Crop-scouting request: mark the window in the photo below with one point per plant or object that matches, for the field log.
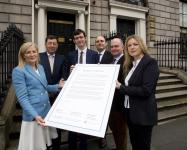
(183, 14)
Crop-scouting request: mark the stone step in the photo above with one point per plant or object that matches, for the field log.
(170, 103)
(169, 88)
(168, 81)
(166, 76)
(174, 94)
(167, 114)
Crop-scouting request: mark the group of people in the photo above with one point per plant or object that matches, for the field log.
(39, 77)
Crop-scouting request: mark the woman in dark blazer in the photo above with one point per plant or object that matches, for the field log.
(31, 88)
(141, 75)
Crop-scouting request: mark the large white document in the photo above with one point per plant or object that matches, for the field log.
(84, 103)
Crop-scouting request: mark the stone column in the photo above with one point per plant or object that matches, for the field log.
(113, 23)
(42, 31)
(81, 20)
(143, 29)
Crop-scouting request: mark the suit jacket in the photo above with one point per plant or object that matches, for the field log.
(31, 90)
(107, 58)
(92, 57)
(141, 92)
(59, 69)
(118, 99)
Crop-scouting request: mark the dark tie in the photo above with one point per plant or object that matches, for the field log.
(81, 58)
(114, 60)
(100, 55)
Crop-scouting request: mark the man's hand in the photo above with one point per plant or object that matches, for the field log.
(72, 67)
(118, 84)
(61, 83)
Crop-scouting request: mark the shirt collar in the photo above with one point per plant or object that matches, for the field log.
(117, 58)
(50, 54)
(84, 50)
(136, 62)
(102, 52)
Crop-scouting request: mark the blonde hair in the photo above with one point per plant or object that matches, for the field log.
(24, 47)
(129, 59)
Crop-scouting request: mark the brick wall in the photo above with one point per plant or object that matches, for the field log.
(162, 20)
(99, 19)
(18, 12)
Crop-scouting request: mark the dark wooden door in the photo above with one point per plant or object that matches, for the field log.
(63, 26)
(125, 27)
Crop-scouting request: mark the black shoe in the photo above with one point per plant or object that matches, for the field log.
(55, 144)
(102, 143)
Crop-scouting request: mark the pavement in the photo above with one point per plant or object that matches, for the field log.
(170, 135)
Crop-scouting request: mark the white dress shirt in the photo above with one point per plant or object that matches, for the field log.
(51, 58)
(84, 55)
(135, 64)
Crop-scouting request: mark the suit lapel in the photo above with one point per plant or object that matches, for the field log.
(137, 69)
(40, 77)
(47, 65)
(56, 64)
(75, 58)
(88, 57)
(104, 57)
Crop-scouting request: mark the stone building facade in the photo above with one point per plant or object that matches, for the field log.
(18, 12)
(151, 19)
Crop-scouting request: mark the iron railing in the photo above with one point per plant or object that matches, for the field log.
(172, 53)
(10, 42)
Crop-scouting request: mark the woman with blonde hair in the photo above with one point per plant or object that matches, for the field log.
(31, 90)
(141, 75)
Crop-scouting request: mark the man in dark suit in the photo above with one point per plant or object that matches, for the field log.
(105, 57)
(117, 121)
(55, 67)
(82, 55)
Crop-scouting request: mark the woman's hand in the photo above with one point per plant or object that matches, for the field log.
(40, 121)
(118, 84)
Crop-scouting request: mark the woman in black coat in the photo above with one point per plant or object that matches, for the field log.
(141, 75)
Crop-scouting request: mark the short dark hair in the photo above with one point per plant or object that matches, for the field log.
(79, 31)
(51, 37)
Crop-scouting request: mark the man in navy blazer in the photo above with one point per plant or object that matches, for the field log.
(117, 122)
(105, 57)
(82, 55)
(55, 66)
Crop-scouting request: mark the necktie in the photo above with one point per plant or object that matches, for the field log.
(100, 55)
(114, 61)
(81, 58)
(51, 62)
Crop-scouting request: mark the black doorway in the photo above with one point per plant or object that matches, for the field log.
(63, 26)
(125, 27)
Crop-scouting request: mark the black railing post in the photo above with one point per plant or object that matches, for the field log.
(10, 42)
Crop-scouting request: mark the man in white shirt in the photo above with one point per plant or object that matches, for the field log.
(82, 55)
